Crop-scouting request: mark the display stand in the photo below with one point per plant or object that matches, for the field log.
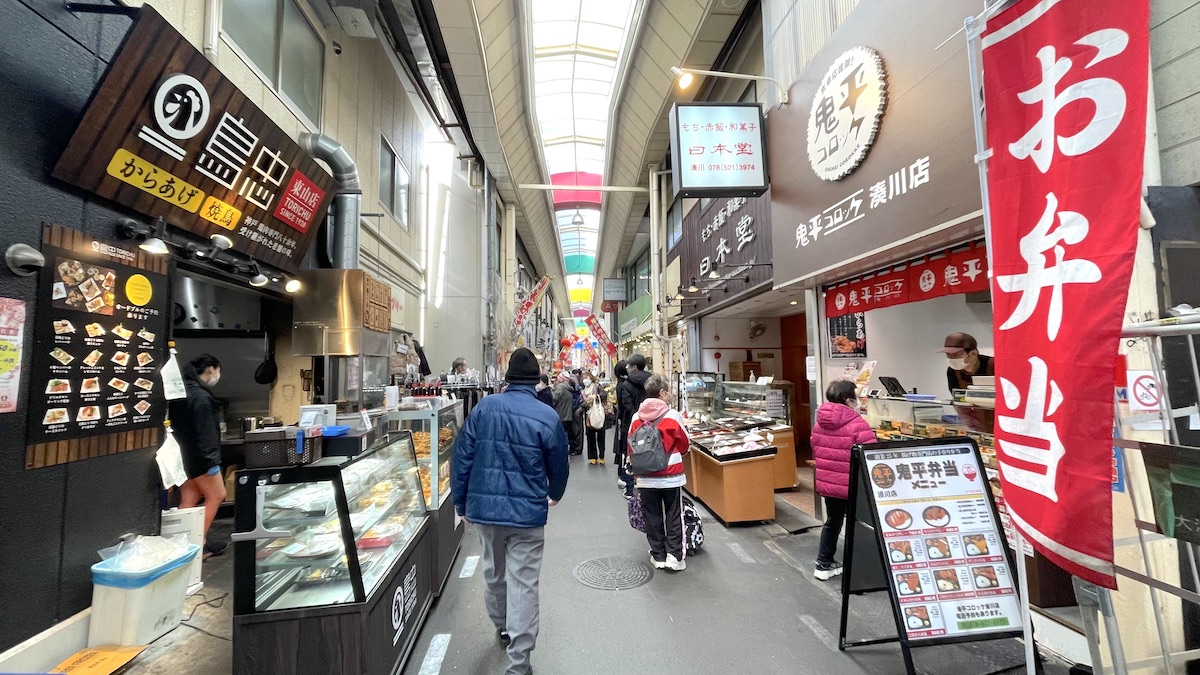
(736, 490)
(936, 550)
(448, 529)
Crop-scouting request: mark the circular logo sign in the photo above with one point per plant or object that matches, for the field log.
(883, 476)
(840, 301)
(181, 106)
(927, 281)
(138, 290)
(845, 113)
(398, 608)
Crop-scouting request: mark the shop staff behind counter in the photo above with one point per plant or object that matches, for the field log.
(965, 361)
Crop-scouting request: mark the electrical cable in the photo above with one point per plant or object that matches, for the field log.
(215, 603)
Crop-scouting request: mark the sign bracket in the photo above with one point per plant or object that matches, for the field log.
(88, 8)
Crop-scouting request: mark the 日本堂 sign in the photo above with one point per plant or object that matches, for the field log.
(168, 135)
(718, 150)
(1065, 88)
(726, 248)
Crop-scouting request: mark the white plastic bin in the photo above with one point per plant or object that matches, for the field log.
(189, 522)
(136, 608)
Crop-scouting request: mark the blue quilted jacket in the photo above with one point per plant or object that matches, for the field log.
(510, 456)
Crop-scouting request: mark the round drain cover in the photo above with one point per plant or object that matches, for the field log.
(613, 574)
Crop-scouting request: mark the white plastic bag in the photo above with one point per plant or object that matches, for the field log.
(170, 462)
(172, 380)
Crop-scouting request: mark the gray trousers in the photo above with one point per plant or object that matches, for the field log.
(512, 565)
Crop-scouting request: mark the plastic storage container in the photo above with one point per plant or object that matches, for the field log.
(136, 608)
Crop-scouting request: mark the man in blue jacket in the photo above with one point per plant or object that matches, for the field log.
(510, 467)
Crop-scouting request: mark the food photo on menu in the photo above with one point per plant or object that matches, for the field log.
(63, 327)
(985, 577)
(95, 330)
(936, 516)
(917, 617)
(93, 358)
(90, 385)
(947, 581)
(58, 387)
(122, 332)
(88, 413)
(909, 583)
(142, 407)
(56, 416)
(898, 519)
(937, 548)
(900, 551)
(975, 544)
(62, 356)
(84, 287)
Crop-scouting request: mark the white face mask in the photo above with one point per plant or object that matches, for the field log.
(957, 364)
(540, 386)
(587, 382)
(214, 379)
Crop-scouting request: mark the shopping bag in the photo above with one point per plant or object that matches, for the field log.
(636, 519)
(172, 379)
(170, 462)
(595, 416)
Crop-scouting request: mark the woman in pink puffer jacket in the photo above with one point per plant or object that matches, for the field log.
(839, 428)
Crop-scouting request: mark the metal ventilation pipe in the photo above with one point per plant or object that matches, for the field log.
(347, 203)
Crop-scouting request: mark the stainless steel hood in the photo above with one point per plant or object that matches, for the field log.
(341, 313)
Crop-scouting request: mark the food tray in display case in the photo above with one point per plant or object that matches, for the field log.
(755, 403)
(434, 430)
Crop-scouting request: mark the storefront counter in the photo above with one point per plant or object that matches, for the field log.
(737, 490)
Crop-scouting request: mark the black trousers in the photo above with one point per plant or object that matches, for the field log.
(835, 517)
(572, 438)
(663, 510)
(595, 443)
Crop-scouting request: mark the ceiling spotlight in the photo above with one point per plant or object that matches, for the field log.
(792, 302)
(221, 242)
(259, 279)
(293, 286)
(154, 245)
(714, 275)
(679, 296)
(693, 288)
(685, 79)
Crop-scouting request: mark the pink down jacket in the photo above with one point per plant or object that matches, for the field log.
(838, 429)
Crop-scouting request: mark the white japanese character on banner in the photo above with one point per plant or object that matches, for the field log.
(951, 276)
(972, 268)
(1106, 95)
(268, 169)
(840, 301)
(723, 250)
(705, 266)
(227, 151)
(866, 295)
(1072, 229)
(745, 231)
(854, 298)
(879, 194)
(1034, 426)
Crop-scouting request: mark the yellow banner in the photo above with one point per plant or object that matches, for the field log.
(220, 213)
(129, 168)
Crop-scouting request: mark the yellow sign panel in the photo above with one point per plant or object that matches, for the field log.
(100, 660)
(220, 213)
(129, 168)
(10, 356)
(138, 290)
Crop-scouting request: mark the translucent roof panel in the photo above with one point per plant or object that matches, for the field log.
(577, 46)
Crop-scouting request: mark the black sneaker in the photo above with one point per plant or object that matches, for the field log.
(504, 638)
(214, 548)
(827, 570)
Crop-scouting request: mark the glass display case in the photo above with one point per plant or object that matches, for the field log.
(746, 404)
(327, 533)
(697, 394)
(357, 382)
(906, 415)
(434, 430)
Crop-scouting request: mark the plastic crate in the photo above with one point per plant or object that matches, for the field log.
(289, 446)
(136, 608)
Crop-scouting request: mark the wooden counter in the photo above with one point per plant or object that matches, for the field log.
(785, 459)
(737, 491)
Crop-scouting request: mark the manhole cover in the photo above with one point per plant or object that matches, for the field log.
(612, 574)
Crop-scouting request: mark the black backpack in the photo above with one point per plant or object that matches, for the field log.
(647, 454)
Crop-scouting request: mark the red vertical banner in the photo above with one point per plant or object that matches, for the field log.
(564, 354)
(601, 335)
(1065, 85)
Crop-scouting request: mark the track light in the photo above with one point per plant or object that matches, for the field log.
(259, 279)
(154, 244)
(293, 286)
(714, 275)
(694, 287)
(221, 242)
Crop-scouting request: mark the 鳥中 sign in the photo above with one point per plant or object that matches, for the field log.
(169, 136)
(718, 150)
(601, 335)
(1065, 92)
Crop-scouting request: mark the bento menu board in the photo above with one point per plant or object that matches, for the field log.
(100, 336)
(947, 565)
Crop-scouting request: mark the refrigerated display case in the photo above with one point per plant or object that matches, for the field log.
(698, 393)
(766, 409)
(434, 430)
(339, 539)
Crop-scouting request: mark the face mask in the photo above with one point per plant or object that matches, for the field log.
(212, 381)
(587, 382)
(540, 386)
(852, 403)
(957, 364)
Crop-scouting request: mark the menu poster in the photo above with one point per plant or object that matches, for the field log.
(100, 336)
(948, 568)
(12, 332)
(848, 336)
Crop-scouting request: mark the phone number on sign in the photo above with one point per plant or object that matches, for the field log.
(730, 167)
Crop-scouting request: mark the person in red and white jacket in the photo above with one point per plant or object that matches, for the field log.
(661, 493)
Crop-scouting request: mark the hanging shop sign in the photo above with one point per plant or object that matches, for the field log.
(593, 357)
(918, 173)
(718, 150)
(12, 336)
(169, 136)
(530, 303)
(100, 332)
(848, 336)
(947, 273)
(564, 354)
(377, 304)
(845, 113)
(614, 290)
(933, 531)
(601, 335)
(732, 239)
(1065, 93)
